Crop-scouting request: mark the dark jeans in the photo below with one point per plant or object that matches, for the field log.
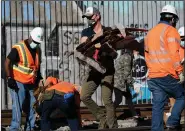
(128, 96)
(161, 88)
(67, 107)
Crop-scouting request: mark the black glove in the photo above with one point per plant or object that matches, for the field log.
(12, 83)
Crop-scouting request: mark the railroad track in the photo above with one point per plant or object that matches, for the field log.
(145, 110)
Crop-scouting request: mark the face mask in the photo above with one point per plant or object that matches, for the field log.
(182, 44)
(33, 45)
(91, 23)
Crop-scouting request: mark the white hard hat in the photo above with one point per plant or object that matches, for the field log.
(169, 9)
(37, 34)
(181, 31)
(90, 11)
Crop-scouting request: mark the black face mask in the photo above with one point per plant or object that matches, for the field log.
(91, 23)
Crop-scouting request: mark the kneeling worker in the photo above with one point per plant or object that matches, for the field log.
(62, 95)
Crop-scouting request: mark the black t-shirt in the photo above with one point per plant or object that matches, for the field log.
(88, 32)
(14, 57)
(105, 60)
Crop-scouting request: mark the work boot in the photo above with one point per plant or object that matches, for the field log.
(173, 128)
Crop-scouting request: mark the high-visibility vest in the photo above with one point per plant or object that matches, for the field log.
(25, 70)
(61, 86)
(162, 45)
(65, 87)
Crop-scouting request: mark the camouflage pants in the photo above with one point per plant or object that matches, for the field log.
(88, 89)
(123, 69)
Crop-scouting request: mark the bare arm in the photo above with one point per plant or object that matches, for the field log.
(8, 68)
(83, 39)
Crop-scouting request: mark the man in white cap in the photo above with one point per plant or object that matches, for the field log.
(95, 78)
(22, 67)
(94, 22)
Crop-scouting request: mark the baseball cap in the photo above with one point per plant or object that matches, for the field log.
(90, 11)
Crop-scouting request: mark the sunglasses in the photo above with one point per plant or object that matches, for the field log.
(89, 17)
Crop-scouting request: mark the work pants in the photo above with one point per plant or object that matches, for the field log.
(161, 88)
(88, 88)
(67, 106)
(24, 91)
(128, 96)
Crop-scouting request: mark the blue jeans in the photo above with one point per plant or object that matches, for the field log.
(161, 89)
(66, 105)
(24, 92)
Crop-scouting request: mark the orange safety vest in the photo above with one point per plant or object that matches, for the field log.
(65, 87)
(162, 45)
(26, 69)
(62, 86)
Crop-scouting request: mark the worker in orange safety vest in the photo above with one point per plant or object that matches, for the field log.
(62, 95)
(162, 46)
(22, 67)
(181, 52)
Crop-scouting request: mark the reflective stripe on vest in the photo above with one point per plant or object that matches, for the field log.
(173, 40)
(162, 37)
(23, 53)
(163, 52)
(23, 68)
(160, 60)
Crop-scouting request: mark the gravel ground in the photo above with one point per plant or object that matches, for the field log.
(127, 123)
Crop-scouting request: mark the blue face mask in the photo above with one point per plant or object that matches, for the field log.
(182, 44)
(33, 45)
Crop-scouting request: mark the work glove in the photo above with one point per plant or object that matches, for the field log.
(137, 87)
(181, 77)
(12, 83)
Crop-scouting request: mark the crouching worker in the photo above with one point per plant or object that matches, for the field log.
(62, 95)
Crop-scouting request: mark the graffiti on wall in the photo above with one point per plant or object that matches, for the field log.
(68, 65)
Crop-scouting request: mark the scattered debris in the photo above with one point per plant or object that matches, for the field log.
(127, 123)
(65, 128)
